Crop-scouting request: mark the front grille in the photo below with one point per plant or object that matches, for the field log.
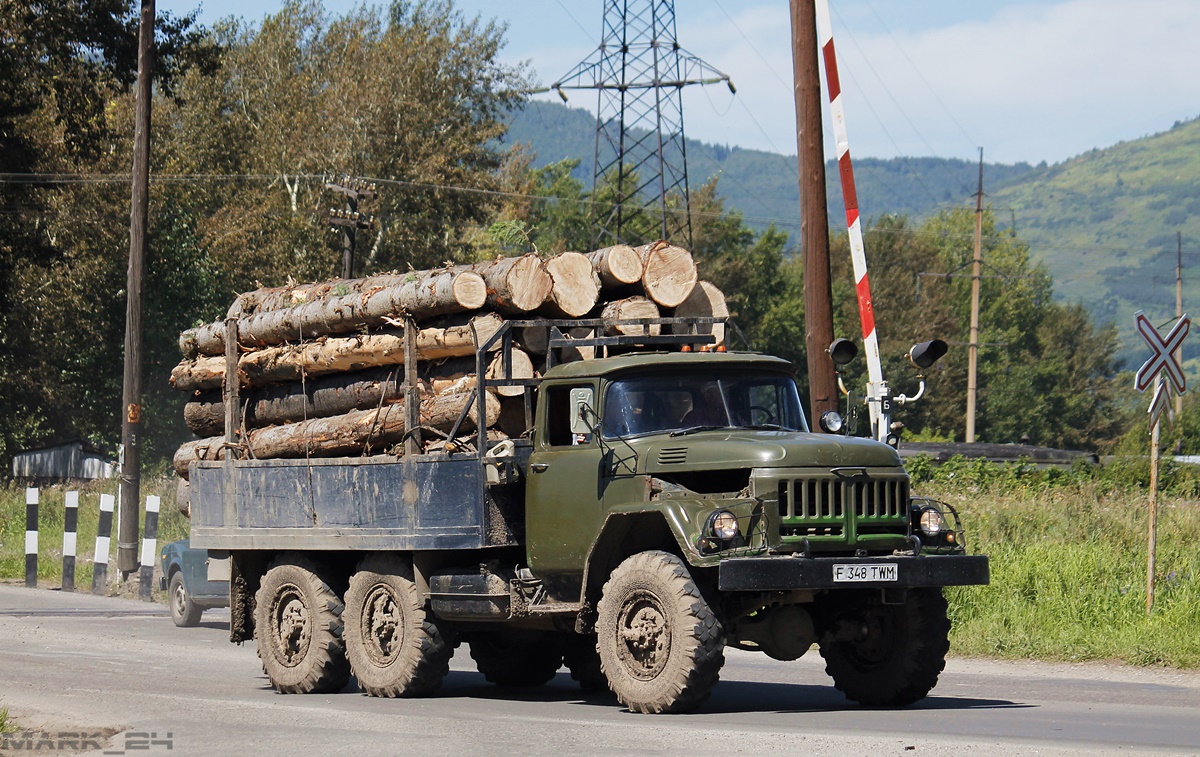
(833, 506)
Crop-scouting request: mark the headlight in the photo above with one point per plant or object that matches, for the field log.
(931, 521)
(723, 525)
(831, 421)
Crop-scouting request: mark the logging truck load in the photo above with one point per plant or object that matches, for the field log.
(617, 491)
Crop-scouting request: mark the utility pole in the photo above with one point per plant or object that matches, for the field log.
(349, 219)
(1179, 311)
(131, 388)
(814, 209)
(973, 341)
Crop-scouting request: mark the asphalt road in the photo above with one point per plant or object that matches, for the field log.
(73, 663)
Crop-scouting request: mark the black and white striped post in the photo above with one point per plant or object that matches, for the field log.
(149, 547)
(103, 535)
(70, 525)
(31, 537)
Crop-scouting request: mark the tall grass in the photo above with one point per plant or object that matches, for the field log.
(1068, 559)
(172, 525)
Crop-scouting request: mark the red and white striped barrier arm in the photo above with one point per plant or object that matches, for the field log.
(866, 310)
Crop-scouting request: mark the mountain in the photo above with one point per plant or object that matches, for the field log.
(1106, 222)
(762, 185)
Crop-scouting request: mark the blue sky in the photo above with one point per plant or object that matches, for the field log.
(1027, 81)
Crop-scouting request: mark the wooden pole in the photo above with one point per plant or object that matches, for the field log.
(1153, 527)
(131, 426)
(814, 209)
(973, 341)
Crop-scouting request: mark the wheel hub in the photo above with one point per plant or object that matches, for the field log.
(292, 628)
(646, 636)
(383, 625)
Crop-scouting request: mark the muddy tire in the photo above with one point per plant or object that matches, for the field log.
(298, 628)
(516, 661)
(394, 646)
(887, 655)
(184, 611)
(661, 645)
(583, 660)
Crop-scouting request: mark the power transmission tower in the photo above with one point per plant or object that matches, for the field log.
(638, 72)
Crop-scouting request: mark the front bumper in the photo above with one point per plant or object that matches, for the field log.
(795, 572)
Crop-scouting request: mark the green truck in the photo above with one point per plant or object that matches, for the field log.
(668, 501)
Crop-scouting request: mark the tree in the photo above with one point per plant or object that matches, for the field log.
(63, 66)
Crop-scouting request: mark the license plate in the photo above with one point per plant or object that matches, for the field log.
(884, 572)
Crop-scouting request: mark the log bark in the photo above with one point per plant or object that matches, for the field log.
(515, 285)
(576, 286)
(669, 275)
(286, 403)
(631, 307)
(458, 374)
(345, 306)
(352, 433)
(333, 355)
(617, 266)
(705, 301)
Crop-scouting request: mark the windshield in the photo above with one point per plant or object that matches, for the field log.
(654, 404)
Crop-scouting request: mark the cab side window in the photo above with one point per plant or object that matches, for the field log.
(558, 417)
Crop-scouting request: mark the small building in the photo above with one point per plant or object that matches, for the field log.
(70, 460)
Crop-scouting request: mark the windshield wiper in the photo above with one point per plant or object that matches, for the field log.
(694, 429)
(765, 427)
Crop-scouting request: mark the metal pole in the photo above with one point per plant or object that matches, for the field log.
(131, 427)
(814, 209)
(1179, 312)
(1153, 526)
(973, 340)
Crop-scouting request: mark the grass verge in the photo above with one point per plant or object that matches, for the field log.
(1069, 575)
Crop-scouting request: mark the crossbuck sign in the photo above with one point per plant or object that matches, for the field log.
(1163, 358)
(1162, 361)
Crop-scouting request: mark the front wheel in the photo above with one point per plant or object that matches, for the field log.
(298, 628)
(661, 645)
(887, 655)
(394, 646)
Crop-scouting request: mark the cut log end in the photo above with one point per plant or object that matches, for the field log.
(705, 301)
(576, 287)
(670, 275)
(470, 290)
(617, 265)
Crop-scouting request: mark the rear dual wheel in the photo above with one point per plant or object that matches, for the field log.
(395, 647)
(298, 628)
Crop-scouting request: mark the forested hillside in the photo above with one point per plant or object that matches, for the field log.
(763, 186)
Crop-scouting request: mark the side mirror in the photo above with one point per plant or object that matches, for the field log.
(582, 399)
(925, 354)
(843, 351)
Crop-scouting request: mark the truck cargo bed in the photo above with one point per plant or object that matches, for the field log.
(440, 501)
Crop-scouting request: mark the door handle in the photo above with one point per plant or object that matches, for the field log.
(539, 467)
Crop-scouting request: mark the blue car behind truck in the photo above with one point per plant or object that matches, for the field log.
(185, 578)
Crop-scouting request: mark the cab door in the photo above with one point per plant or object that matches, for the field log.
(563, 511)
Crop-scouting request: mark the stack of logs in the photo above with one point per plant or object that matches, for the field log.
(320, 366)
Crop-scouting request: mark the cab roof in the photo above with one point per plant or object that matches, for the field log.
(671, 360)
